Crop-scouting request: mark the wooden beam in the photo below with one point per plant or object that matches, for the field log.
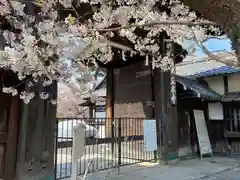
(225, 81)
(23, 132)
(230, 134)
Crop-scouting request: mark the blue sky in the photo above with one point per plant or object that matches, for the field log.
(213, 45)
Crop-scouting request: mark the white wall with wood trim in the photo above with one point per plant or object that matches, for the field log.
(233, 82)
(216, 84)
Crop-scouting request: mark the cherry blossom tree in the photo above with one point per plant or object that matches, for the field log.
(36, 35)
(68, 103)
(71, 96)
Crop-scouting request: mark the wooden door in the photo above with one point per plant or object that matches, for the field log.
(184, 134)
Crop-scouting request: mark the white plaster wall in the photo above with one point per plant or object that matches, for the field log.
(216, 84)
(233, 82)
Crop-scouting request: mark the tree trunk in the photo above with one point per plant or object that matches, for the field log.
(223, 12)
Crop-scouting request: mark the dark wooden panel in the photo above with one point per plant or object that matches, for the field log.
(184, 131)
(133, 91)
(36, 155)
(216, 136)
(11, 146)
(216, 130)
(230, 134)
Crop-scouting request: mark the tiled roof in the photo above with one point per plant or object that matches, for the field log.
(101, 84)
(201, 90)
(100, 89)
(196, 67)
(217, 71)
(205, 69)
(206, 66)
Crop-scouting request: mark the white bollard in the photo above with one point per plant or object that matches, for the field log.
(77, 148)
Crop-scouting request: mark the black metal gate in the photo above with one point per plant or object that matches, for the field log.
(110, 143)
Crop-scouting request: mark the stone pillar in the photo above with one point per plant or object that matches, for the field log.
(78, 148)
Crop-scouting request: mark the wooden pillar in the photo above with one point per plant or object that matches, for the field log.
(158, 109)
(50, 128)
(225, 82)
(91, 115)
(166, 116)
(168, 111)
(164, 123)
(171, 121)
(109, 102)
(22, 138)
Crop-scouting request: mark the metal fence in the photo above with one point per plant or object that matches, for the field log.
(109, 143)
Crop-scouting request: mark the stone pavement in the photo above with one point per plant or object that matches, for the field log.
(194, 169)
(233, 174)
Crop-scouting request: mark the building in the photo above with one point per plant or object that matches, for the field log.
(97, 107)
(224, 121)
(135, 91)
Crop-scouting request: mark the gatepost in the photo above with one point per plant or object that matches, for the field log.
(78, 147)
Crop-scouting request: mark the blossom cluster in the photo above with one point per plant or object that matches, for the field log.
(34, 42)
(37, 39)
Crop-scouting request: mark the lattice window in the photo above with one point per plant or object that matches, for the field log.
(232, 117)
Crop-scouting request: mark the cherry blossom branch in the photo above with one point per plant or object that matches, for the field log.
(156, 23)
(213, 56)
(114, 44)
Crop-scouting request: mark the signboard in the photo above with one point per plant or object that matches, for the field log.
(215, 111)
(202, 133)
(150, 135)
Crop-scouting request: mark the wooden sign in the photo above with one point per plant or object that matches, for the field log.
(202, 133)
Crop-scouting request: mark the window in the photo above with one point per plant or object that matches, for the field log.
(232, 117)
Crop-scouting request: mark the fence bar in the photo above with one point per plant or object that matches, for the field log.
(119, 144)
(126, 134)
(56, 150)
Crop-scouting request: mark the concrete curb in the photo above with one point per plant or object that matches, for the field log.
(212, 173)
